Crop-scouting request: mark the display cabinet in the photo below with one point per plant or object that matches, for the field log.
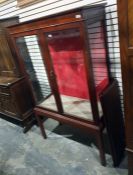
(67, 67)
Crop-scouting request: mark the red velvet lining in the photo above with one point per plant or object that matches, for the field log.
(68, 60)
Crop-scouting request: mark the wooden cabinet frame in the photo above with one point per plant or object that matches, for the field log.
(73, 19)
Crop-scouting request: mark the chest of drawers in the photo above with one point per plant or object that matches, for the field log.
(16, 101)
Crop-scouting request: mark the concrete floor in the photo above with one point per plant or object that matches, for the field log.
(66, 151)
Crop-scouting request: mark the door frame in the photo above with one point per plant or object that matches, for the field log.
(87, 63)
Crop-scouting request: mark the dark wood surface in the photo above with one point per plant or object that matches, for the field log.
(126, 47)
(113, 117)
(39, 24)
(16, 100)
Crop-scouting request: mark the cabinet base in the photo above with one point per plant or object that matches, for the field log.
(27, 123)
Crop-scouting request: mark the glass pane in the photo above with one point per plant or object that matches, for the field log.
(31, 55)
(98, 56)
(66, 49)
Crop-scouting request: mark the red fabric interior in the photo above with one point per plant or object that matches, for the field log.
(68, 60)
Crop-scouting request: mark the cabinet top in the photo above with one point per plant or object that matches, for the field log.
(71, 16)
(8, 81)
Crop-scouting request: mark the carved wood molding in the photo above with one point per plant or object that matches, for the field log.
(25, 3)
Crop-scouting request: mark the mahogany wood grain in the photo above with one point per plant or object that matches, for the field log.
(126, 42)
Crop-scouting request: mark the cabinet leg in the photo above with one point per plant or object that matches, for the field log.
(29, 126)
(101, 148)
(40, 123)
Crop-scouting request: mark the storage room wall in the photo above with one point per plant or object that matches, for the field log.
(48, 7)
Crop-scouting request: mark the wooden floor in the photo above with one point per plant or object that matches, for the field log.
(73, 106)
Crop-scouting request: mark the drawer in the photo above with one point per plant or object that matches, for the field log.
(4, 90)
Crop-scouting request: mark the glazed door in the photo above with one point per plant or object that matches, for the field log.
(126, 43)
(69, 70)
(32, 63)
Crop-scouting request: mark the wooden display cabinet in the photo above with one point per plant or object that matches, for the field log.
(68, 57)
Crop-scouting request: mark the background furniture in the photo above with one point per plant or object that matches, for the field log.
(113, 118)
(125, 15)
(15, 104)
(16, 100)
(7, 62)
(66, 63)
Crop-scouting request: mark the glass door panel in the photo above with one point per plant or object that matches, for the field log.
(96, 38)
(66, 50)
(30, 53)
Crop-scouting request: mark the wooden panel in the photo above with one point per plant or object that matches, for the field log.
(110, 100)
(129, 118)
(126, 42)
(23, 97)
(16, 101)
(130, 22)
(7, 64)
(127, 66)
(8, 105)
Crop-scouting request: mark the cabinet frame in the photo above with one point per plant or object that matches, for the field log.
(40, 27)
